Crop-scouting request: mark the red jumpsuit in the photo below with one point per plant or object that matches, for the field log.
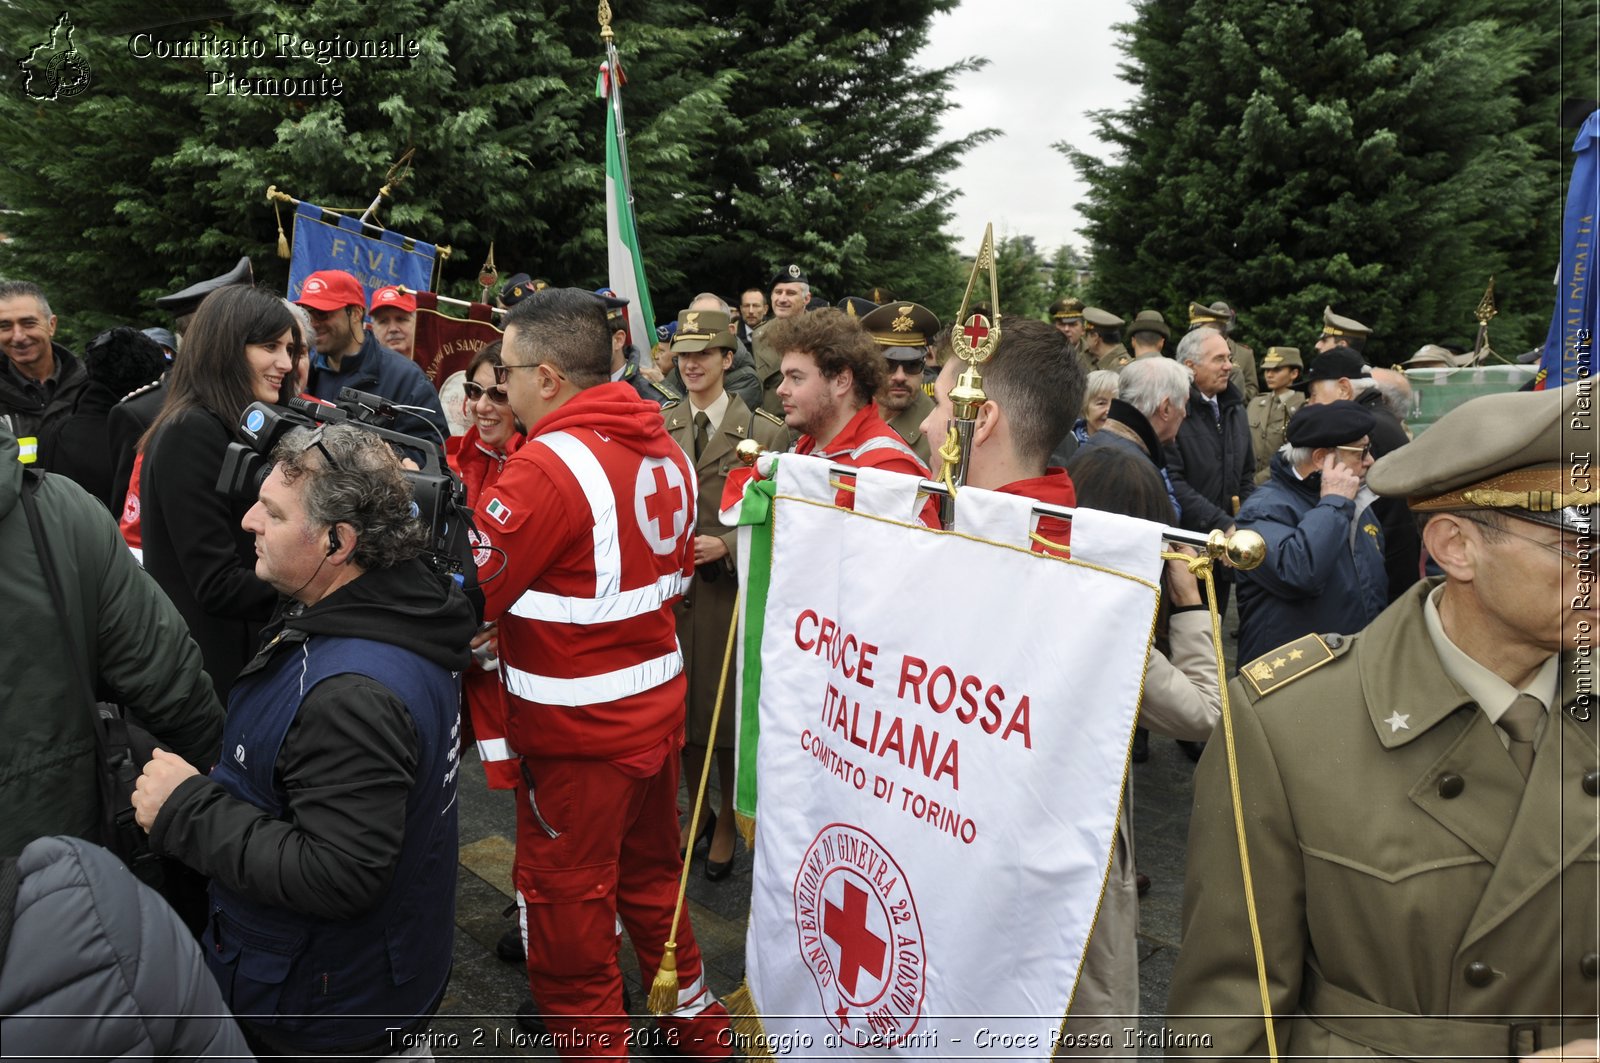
(479, 466)
(595, 515)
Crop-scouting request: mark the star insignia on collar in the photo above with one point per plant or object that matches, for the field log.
(1398, 722)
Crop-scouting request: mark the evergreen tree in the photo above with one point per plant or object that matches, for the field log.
(801, 132)
(1020, 273)
(1285, 156)
(1064, 273)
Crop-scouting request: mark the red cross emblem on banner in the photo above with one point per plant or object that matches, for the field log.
(859, 948)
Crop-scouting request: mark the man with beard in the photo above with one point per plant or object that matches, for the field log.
(902, 332)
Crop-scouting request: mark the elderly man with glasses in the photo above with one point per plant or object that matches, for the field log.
(1324, 566)
(1420, 798)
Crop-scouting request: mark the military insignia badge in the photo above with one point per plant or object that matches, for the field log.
(903, 323)
(1286, 664)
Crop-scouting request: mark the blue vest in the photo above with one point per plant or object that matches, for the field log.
(320, 983)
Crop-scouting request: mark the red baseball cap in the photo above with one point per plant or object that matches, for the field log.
(394, 297)
(331, 289)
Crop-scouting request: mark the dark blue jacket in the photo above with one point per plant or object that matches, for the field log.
(381, 371)
(1315, 577)
(1212, 462)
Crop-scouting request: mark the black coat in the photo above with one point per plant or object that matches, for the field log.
(78, 445)
(30, 409)
(1402, 544)
(126, 424)
(195, 548)
(1211, 463)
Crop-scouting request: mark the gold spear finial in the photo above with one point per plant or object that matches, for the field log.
(1486, 308)
(605, 21)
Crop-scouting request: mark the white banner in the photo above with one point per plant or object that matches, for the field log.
(945, 722)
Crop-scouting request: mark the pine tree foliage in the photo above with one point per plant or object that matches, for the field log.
(799, 132)
(1371, 154)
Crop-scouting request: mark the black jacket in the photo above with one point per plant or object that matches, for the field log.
(77, 443)
(347, 762)
(194, 546)
(1211, 463)
(89, 940)
(380, 371)
(1402, 543)
(29, 408)
(126, 424)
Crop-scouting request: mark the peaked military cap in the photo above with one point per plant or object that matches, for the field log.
(903, 329)
(1068, 309)
(1524, 453)
(1096, 318)
(1282, 358)
(1433, 356)
(1334, 325)
(519, 287)
(699, 329)
(880, 295)
(1149, 321)
(857, 306)
(187, 300)
(1200, 314)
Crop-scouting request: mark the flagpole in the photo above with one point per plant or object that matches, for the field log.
(624, 260)
(448, 300)
(441, 250)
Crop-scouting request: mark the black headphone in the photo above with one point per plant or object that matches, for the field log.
(333, 541)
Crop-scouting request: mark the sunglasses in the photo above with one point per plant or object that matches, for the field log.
(1365, 451)
(908, 367)
(477, 391)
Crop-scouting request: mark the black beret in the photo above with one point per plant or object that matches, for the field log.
(1332, 424)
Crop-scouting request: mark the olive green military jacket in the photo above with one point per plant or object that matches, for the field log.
(769, 368)
(1114, 359)
(1402, 870)
(704, 613)
(1244, 372)
(1269, 419)
(908, 423)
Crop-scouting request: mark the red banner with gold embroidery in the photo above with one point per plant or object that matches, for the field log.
(445, 344)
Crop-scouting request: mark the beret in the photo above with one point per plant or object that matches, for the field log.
(1330, 424)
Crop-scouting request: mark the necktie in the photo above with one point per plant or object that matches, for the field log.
(702, 431)
(1519, 723)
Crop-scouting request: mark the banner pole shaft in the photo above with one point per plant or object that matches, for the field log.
(447, 299)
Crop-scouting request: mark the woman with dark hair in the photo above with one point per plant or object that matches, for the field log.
(240, 348)
(478, 454)
(1181, 698)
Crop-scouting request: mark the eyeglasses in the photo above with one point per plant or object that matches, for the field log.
(908, 367)
(502, 373)
(1364, 451)
(315, 442)
(477, 391)
(1574, 554)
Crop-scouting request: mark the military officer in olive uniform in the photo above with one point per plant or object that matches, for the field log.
(1102, 340)
(1219, 315)
(1419, 798)
(709, 424)
(1148, 334)
(1067, 316)
(1341, 331)
(903, 332)
(1270, 411)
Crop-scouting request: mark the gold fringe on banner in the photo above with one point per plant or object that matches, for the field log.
(747, 1027)
(747, 829)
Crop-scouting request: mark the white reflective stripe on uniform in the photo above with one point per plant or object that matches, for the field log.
(692, 1000)
(879, 442)
(591, 477)
(561, 609)
(492, 749)
(593, 689)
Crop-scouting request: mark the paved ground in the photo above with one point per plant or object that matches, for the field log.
(477, 1017)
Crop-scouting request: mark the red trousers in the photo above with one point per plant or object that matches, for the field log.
(615, 855)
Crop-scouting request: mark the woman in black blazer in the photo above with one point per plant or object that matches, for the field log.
(242, 347)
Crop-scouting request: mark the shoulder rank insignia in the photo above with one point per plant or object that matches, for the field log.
(774, 418)
(1286, 664)
(672, 396)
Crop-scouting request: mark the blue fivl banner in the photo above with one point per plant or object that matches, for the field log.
(377, 258)
(1569, 347)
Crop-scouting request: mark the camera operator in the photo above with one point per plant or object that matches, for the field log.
(329, 826)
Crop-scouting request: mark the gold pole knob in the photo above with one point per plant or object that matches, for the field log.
(748, 451)
(1245, 550)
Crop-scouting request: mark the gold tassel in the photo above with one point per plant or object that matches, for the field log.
(664, 989)
(747, 829)
(283, 241)
(747, 1028)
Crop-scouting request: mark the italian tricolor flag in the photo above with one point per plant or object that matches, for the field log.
(624, 262)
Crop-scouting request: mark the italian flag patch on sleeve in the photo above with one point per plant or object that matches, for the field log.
(497, 511)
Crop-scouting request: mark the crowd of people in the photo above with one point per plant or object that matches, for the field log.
(310, 663)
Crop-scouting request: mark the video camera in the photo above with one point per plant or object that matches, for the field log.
(438, 495)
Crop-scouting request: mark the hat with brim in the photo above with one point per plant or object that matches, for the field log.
(790, 274)
(1338, 325)
(1340, 363)
(1096, 318)
(187, 300)
(1282, 358)
(902, 330)
(331, 289)
(699, 329)
(1526, 454)
(1149, 321)
(1200, 314)
(856, 306)
(393, 298)
(1433, 356)
(1068, 309)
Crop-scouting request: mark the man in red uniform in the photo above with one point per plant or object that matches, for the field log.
(593, 521)
(831, 371)
(1034, 388)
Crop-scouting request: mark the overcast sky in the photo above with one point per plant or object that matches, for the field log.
(1037, 89)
